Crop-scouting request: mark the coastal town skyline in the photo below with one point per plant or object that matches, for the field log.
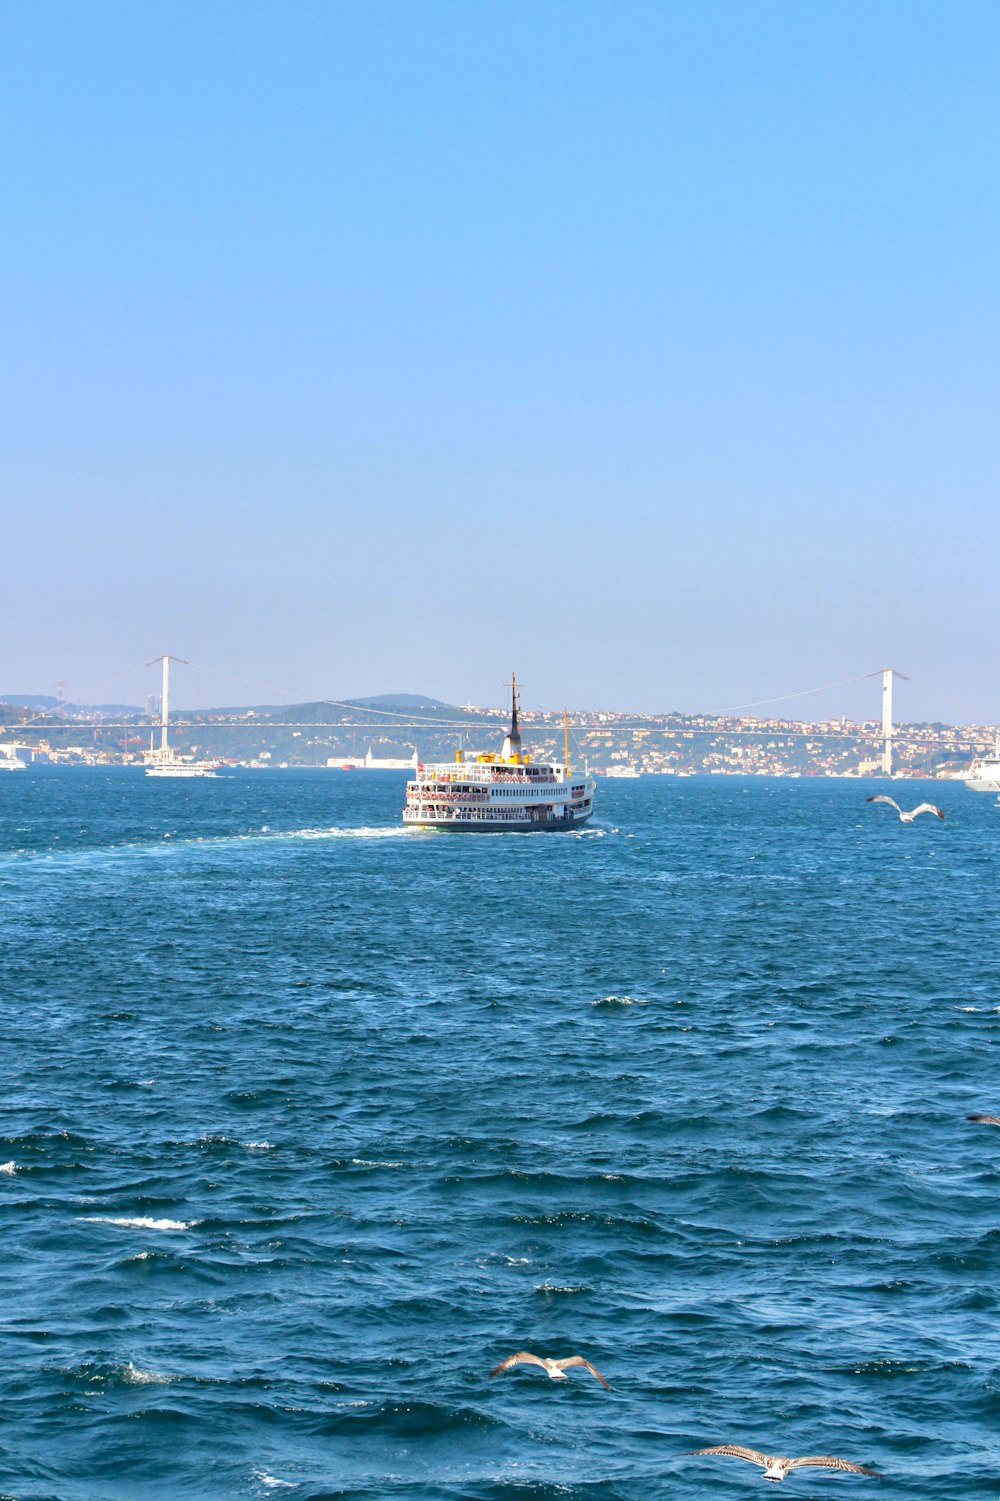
(397, 730)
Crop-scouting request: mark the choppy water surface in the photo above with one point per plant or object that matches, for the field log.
(307, 1121)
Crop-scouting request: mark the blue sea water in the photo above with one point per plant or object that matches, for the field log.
(307, 1121)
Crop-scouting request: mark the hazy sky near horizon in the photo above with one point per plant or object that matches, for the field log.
(650, 350)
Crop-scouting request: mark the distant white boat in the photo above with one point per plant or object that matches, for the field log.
(163, 761)
(984, 773)
(373, 763)
(10, 760)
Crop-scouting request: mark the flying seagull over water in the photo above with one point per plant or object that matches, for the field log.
(777, 1466)
(985, 1120)
(903, 815)
(556, 1369)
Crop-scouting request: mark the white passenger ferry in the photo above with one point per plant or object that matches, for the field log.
(495, 793)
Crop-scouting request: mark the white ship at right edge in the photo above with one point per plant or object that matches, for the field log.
(984, 773)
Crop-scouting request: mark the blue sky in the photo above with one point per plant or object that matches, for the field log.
(650, 350)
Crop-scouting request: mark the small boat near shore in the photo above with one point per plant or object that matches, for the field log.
(489, 793)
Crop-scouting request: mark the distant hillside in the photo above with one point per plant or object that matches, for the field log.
(401, 701)
(396, 709)
(398, 701)
(46, 701)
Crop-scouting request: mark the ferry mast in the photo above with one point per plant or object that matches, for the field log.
(511, 750)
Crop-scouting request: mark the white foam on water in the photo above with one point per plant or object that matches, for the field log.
(259, 1146)
(272, 1482)
(267, 835)
(334, 831)
(8, 1167)
(136, 1377)
(138, 1222)
(169, 846)
(386, 832)
(619, 1000)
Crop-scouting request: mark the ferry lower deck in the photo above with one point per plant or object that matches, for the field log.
(491, 796)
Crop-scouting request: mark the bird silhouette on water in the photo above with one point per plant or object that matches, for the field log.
(556, 1369)
(904, 815)
(777, 1466)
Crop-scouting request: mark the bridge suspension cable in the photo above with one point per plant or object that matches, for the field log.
(803, 693)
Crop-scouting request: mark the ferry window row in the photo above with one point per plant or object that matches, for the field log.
(510, 791)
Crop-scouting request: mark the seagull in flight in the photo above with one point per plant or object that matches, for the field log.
(905, 817)
(555, 1369)
(985, 1120)
(777, 1466)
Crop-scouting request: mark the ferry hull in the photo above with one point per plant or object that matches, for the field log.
(509, 826)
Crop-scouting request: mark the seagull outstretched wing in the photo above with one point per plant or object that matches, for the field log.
(928, 808)
(881, 797)
(736, 1451)
(579, 1360)
(523, 1357)
(829, 1462)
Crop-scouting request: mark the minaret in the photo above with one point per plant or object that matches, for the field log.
(512, 743)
